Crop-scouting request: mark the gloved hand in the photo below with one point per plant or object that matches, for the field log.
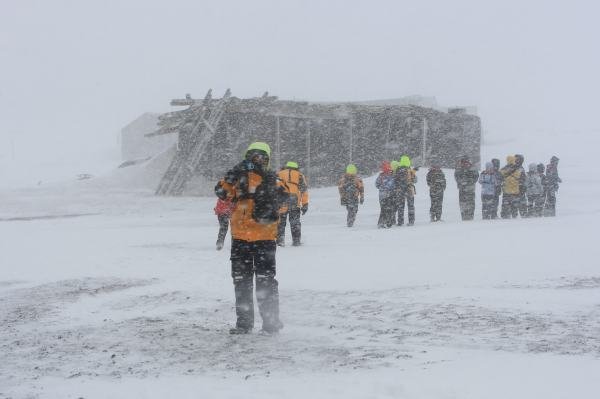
(304, 208)
(362, 199)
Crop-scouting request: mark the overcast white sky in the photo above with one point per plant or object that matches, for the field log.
(72, 73)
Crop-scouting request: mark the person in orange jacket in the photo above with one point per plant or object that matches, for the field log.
(223, 210)
(352, 192)
(298, 203)
(257, 196)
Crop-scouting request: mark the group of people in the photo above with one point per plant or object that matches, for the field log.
(257, 203)
(528, 194)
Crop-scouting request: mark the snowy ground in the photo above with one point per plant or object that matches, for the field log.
(108, 293)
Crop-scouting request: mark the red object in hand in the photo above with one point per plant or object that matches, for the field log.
(224, 207)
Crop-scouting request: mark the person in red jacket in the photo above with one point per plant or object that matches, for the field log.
(223, 211)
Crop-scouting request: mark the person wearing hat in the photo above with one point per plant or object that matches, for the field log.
(223, 210)
(436, 180)
(352, 192)
(297, 204)
(513, 181)
(257, 196)
(498, 191)
(466, 176)
(405, 179)
(385, 184)
(535, 191)
(489, 184)
(552, 181)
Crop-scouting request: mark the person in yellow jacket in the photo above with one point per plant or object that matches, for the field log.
(297, 204)
(257, 196)
(513, 184)
(352, 192)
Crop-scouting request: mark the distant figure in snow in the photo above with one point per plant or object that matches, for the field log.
(223, 211)
(498, 193)
(522, 204)
(297, 204)
(436, 180)
(489, 186)
(405, 179)
(552, 181)
(513, 179)
(352, 192)
(535, 191)
(466, 176)
(385, 184)
(541, 169)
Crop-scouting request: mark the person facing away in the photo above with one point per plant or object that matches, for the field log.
(257, 195)
(489, 185)
(513, 179)
(394, 165)
(541, 169)
(405, 179)
(436, 180)
(466, 176)
(385, 184)
(223, 210)
(352, 192)
(498, 193)
(535, 191)
(552, 181)
(522, 204)
(297, 204)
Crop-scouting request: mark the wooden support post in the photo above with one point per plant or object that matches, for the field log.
(308, 150)
(351, 138)
(424, 151)
(277, 145)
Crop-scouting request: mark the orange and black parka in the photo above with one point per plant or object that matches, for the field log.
(296, 183)
(242, 185)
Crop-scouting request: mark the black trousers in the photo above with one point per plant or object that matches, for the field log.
(223, 226)
(496, 204)
(466, 200)
(488, 203)
(352, 210)
(295, 226)
(408, 199)
(250, 259)
(523, 210)
(535, 205)
(386, 213)
(550, 207)
(510, 206)
(437, 200)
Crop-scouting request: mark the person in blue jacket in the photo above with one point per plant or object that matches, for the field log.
(385, 185)
(489, 187)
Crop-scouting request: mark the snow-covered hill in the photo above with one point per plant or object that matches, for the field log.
(109, 293)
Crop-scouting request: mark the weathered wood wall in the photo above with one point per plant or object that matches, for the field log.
(324, 138)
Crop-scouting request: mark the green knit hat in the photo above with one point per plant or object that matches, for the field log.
(291, 164)
(405, 161)
(395, 165)
(261, 146)
(351, 169)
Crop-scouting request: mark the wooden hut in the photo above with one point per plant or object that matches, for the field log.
(322, 137)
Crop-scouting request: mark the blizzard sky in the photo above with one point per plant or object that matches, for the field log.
(72, 73)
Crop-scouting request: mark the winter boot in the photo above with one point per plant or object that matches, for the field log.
(239, 331)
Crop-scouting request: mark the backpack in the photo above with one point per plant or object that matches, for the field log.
(349, 187)
(266, 200)
(267, 196)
